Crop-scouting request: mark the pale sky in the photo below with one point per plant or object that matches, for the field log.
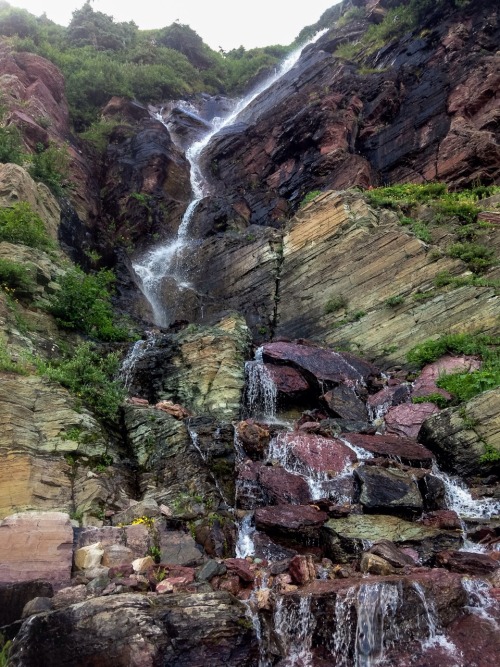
(225, 23)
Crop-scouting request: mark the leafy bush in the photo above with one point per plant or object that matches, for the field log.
(11, 148)
(20, 224)
(478, 257)
(89, 375)
(15, 276)
(335, 303)
(50, 165)
(394, 301)
(84, 303)
(464, 343)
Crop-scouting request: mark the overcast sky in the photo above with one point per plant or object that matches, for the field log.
(225, 23)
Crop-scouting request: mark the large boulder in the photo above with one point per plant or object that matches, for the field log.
(202, 629)
(36, 545)
(393, 447)
(388, 490)
(461, 437)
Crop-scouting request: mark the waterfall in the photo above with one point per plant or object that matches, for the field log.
(166, 260)
(244, 545)
(362, 644)
(137, 352)
(294, 625)
(459, 498)
(261, 391)
(479, 600)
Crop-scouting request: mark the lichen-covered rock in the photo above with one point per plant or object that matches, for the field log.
(344, 537)
(460, 437)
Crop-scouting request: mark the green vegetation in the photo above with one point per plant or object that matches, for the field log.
(90, 376)
(10, 143)
(438, 399)
(20, 224)
(84, 303)
(15, 277)
(463, 385)
(6, 363)
(309, 197)
(399, 20)
(336, 303)
(49, 164)
(5, 647)
(419, 228)
(445, 278)
(491, 455)
(478, 257)
(394, 301)
(100, 57)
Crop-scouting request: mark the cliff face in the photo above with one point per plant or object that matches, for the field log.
(282, 509)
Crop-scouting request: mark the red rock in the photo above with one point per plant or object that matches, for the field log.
(288, 380)
(391, 446)
(173, 409)
(282, 487)
(388, 396)
(477, 638)
(444, 519)
(425, 384)
(405, 420)
(173, 584)
(321, 363)
(302, 570)
(230, 583)
(240, 567)
(289, 519)
(313, 452)
(134, 400)
(36, 545)
(467, 562)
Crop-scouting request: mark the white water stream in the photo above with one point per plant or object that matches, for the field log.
(166, 260)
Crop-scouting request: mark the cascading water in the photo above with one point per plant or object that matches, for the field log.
(261, 391)
(137, 352)
(294, 624)
(459, 499)
(166, 260)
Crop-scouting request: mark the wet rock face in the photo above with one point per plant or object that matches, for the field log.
(389, 490)
(208, 629)
(364, 127)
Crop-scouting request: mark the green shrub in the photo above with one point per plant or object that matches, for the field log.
(334, 304)
(394, 301)
(491, 455)
(84, 303)
(50, 166)
(89, 375)
(20, 224)
(98, 134)
(15, 276)
(309, 197)
(478, 257)
(11, 148)
(464, 343)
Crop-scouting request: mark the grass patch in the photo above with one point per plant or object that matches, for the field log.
(445, 278)
(394, 301)
(438, 399)
(15, 277)
(50, 164)
(309, 197)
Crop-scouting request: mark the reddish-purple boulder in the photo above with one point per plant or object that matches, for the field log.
(313, 452)
(425, 384)
(390, 446)
(287, 379)
(467, 562)
(320, 363)
(406, 419)
(282, 487)
(290, 519)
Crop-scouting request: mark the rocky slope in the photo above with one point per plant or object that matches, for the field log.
(305, 507)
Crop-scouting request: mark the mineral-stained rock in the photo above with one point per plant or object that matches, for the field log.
(388, 490)
(36, 545)
(467, 562)
(406, 450)
(457, 436)
(282, 487)
(344, 537)
(201, 629)
(306, 452)
(295, 521)
(287, 380)
(240, 567)
(319, 363)
(445, 519)
(406, 419)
